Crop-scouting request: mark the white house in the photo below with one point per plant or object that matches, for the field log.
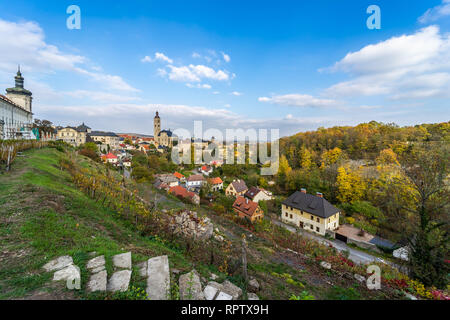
(195, 181)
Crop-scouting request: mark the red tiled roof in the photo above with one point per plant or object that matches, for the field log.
(111, 156)
(178, 175)
(215, 180)
(196, 177)
(245, 206)
(180, 191)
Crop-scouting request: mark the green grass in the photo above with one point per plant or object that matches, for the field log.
(54, 219)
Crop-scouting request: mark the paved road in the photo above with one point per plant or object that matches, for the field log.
(356, 256)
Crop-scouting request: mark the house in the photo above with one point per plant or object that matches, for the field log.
(181, 192)
(105, 138)
(126, 163)
(158, 184)
(110, 158)
(195, 181)
(236, 188)
(216, 183)
(181, 178)
(311, 212)
(75, 136)
(246, 208)
(258, 194)
(168, 179)
(206, 170)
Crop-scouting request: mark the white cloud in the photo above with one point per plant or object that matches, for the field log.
(298, 100)
(436, 13)
(24, 43)
(226, 57)
(407, 66)
(195, 73)
(199, 86)
(98, 96)
(236, 93)
(158, 56)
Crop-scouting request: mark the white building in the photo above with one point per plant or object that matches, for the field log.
(195, 181)
(16, 116)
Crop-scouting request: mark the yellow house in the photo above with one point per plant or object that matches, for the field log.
(310, 212)
(236, 188)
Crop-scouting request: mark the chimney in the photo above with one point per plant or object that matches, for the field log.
(319, 194)
(303, 190)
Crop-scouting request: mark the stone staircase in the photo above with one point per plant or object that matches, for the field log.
(158, 275)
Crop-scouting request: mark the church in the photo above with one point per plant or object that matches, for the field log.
(163, 138)
(16, 115)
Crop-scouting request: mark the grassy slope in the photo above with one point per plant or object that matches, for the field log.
(43, 216)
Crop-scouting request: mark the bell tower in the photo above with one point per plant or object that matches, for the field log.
(19, 94)
(156, 126)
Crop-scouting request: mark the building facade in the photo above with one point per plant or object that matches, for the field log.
(106, 138)
(310, 212)
(163, 138)
(75, 136)
(16, 115)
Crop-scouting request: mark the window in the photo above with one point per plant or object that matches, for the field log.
(317, 229)
(335, 224)
(318, 220)
(286, 214)
(311, 226)
(312, 218)
(291, 216)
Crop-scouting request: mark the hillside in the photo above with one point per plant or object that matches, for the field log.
(44, 215)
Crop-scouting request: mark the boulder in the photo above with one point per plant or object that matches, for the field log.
(97, 282)
(191, 287)
(224, 296)
(252, 296)
(210, 292)
(119, 281)
(232, 289)
(122, 261)
(253, 285)
(325, 265)
(158, 281)
(58, 263)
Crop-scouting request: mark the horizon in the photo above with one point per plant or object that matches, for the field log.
(294, 67)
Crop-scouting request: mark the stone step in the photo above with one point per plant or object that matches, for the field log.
(158, 278)
(191, 287)
(122, 261)
(119, 281)
(98, 281)
(96, 264)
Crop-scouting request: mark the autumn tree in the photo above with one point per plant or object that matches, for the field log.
(351, 186)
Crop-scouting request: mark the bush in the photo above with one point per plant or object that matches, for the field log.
(90, 154)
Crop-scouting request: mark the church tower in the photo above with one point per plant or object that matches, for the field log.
(156, 127)
(19, 94)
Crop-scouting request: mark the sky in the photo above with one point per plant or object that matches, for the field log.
(288, 65)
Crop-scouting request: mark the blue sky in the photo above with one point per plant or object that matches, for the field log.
(292, 65)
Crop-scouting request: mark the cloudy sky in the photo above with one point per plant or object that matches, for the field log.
(292, 65)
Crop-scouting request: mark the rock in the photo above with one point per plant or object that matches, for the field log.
(142, 268)
(410, 296)
(325, 265)
(119, 281)
(252, 296)
(58, 263)
(224, 296)
(253, 285)
(122, 260)
(97, 282)
(158, 281)
(70, 272)
(190, 287)
(214, 276)
(96, 270)
(210, 292)
(216, 285)
(95, 263)
(360, 278)
(232, 289)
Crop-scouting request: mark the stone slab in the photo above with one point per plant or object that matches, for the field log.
(119, 281)
(210, 292)
(252, 296)
(98, 282)
(70, 272)
(158, 281)
(224, 296)
(122, 261)
(191, 287)
(95, 263)
(232, 289)
(58, 263)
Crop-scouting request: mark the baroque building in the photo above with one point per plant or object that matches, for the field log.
(75, 136)
(163, 138)
(16, 115)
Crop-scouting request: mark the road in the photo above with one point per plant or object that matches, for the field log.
(356, 256)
